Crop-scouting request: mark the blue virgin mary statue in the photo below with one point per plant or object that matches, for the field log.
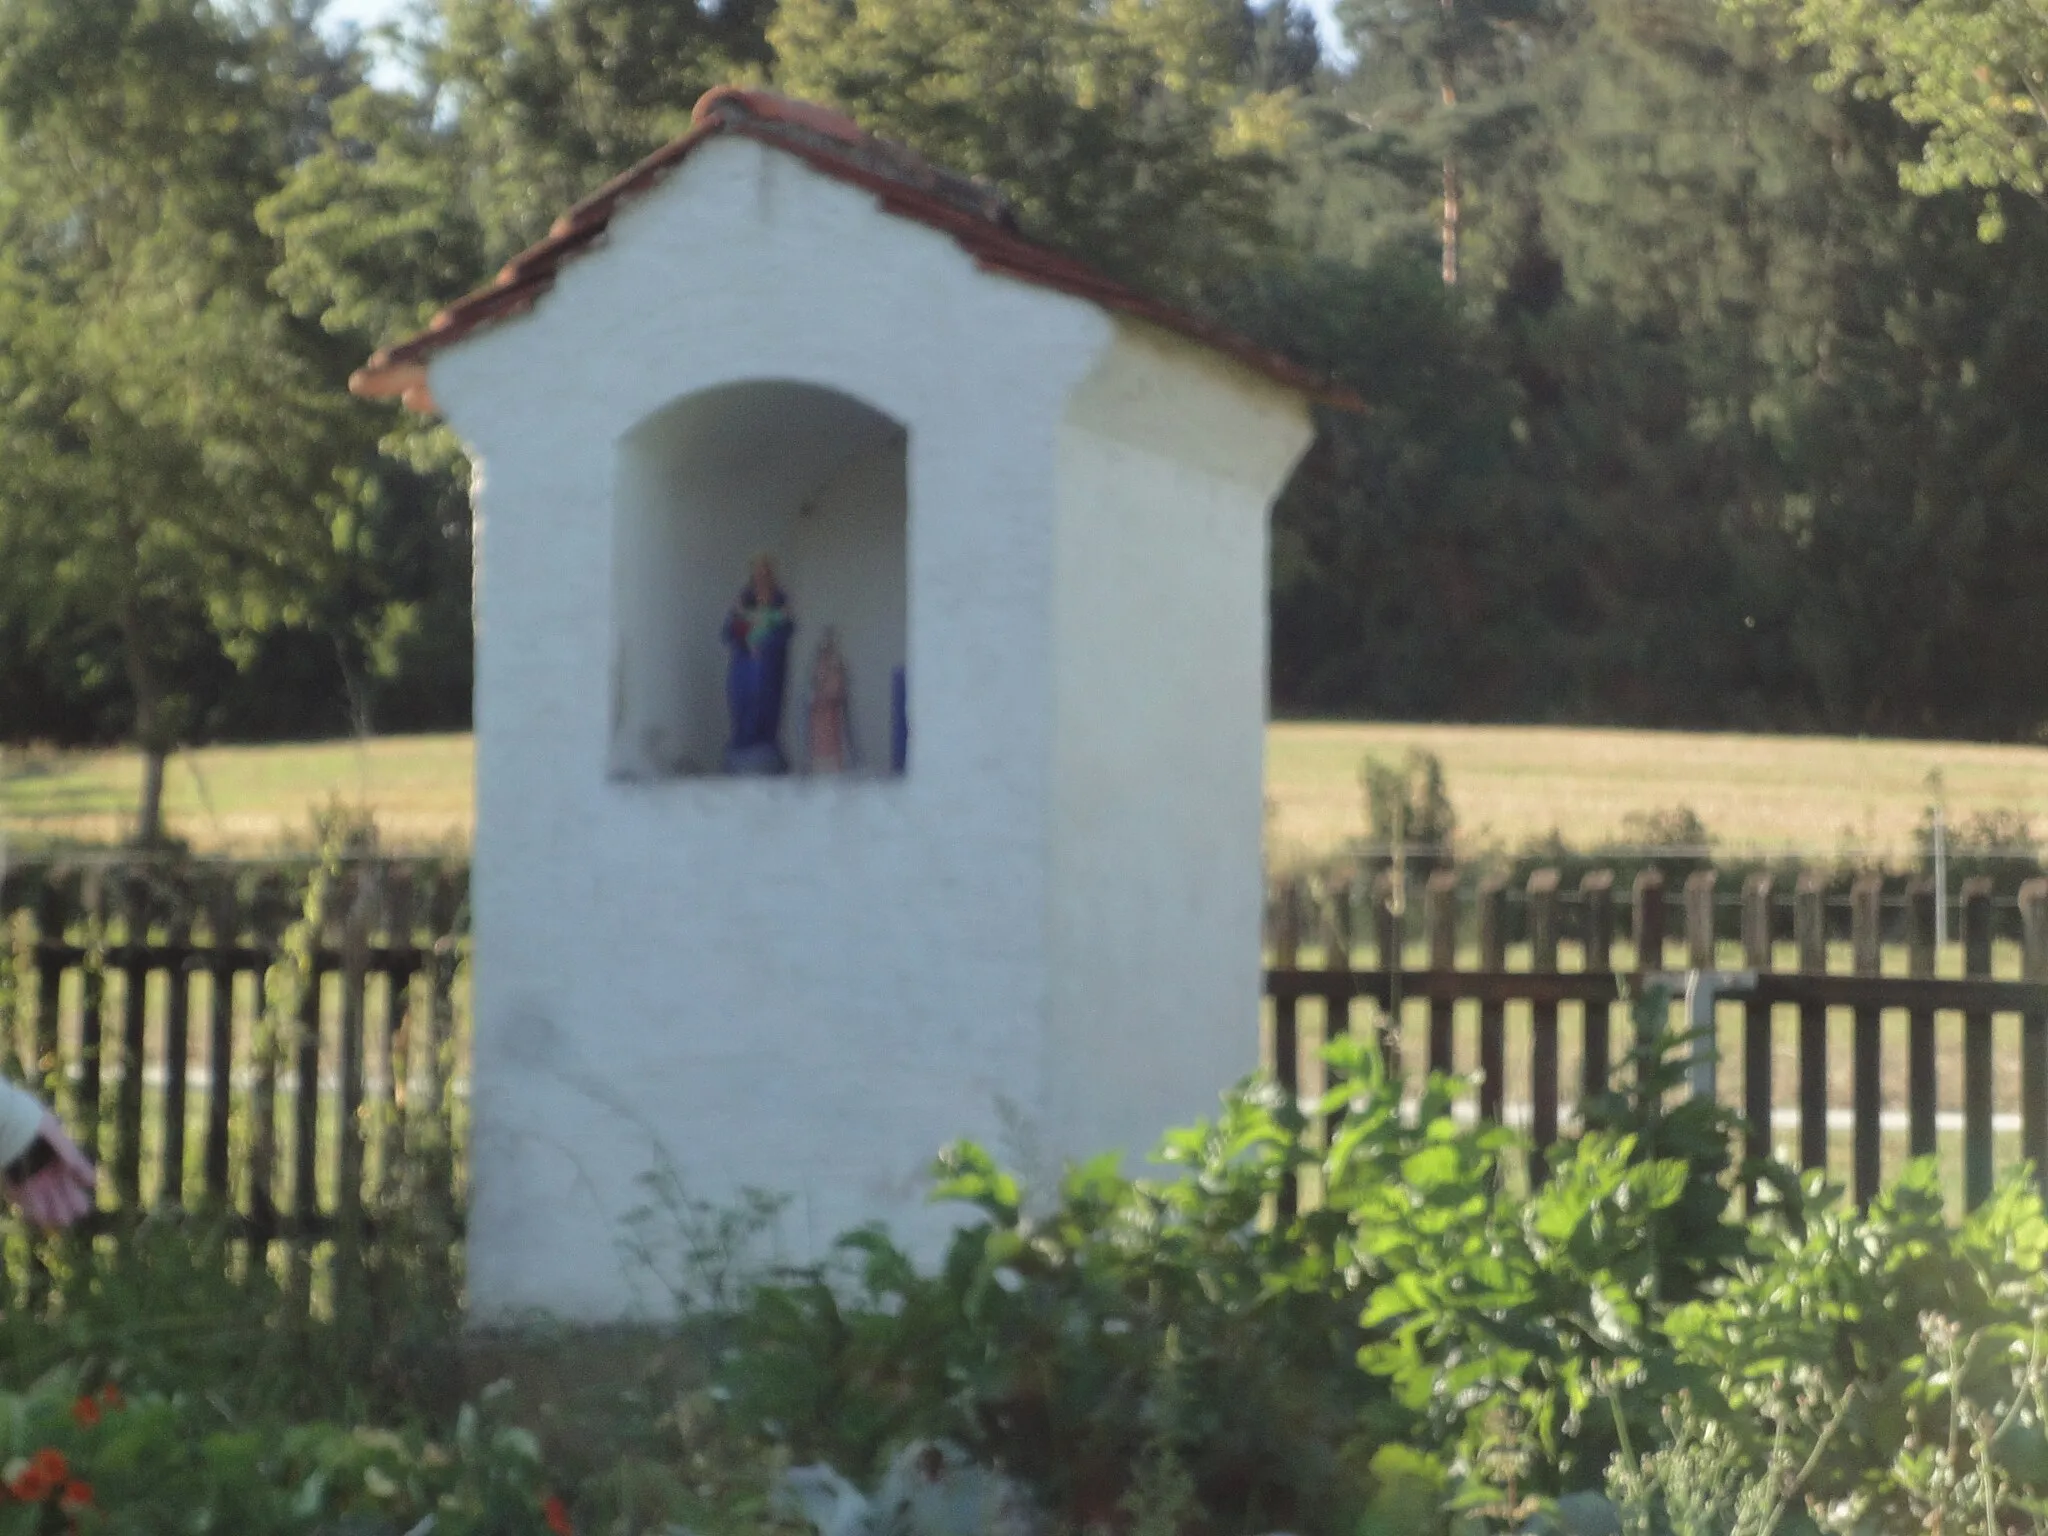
(757, 633)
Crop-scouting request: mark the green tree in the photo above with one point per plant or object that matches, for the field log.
(1973, 74)
(158, 418)
(1440, 95)
(1126, 132)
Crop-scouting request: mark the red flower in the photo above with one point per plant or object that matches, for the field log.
(110, 1397)
(76, 1496)
(556, 1514)
(87, 1411)
(46, 1470)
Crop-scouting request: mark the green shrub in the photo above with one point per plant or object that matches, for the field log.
(1135, 1334)
(1929, 1342)
(82, 1457)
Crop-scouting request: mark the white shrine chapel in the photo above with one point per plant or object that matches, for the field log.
(870, 699)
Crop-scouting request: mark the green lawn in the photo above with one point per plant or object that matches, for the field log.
(1509, 784)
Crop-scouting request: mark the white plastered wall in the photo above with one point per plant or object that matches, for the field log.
(798, 984)
(1170, 458)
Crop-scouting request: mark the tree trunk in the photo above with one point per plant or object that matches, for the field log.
(1450, 231)
(356, 687)
(149, 817)
(1449, 81)
(151, 725)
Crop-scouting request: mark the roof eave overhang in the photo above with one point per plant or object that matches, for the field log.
(400, 371)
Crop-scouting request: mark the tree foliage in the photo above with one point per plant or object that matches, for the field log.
(1717, 426)
(1974, 74)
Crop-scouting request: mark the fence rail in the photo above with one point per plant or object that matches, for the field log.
(271, 1051)
(1496, 980)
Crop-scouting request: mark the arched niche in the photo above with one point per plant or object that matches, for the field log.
(810, 476)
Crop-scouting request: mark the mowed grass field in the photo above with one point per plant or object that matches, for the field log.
(1766, 794)
(1510, 784)
(245, 800)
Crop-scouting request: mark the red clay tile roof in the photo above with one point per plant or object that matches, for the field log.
(904, 183)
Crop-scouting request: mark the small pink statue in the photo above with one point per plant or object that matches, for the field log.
(830, 741)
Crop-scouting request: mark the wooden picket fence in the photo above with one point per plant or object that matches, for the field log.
(283, 1067)
(1502, 983)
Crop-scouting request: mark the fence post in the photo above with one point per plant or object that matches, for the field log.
(1922, 937)
(1809, 924)
(1493, 956)
(1977, 1169)
(1757, 1093)
(2034, 1035)
(1440, 917)
(1865, 919)
(1542, 1021)
(1595, 1050)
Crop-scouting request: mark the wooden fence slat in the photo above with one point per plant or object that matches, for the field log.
(305, 1048)
(1809, 924)
(444, 916)
(137, 912)
(1757, 1088)
(1977, 1170)
(1921, 1068)
(1543, 1021)
(363, 915)
(19, 951)
(2034, 1035)
(1340, 925)
(1440, 919)
(392, 1043)
(223, 926)
(47, 1070)
(177, 1063)
(269, 1040)
(1699, 919)
(1700, 956)
(1286, 1010)
(349, 1143)
(91, 1017)
(1865, 914)
(1390, 938)
(1646, 920)
(1596, 891)
(1286, 1030)
(1493, 950)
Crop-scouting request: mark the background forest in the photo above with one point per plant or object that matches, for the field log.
(1685, 413)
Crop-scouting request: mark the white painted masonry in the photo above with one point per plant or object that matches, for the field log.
(1045, 935)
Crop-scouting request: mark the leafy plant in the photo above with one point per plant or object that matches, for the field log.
(1408, 806)
(81, 1457)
